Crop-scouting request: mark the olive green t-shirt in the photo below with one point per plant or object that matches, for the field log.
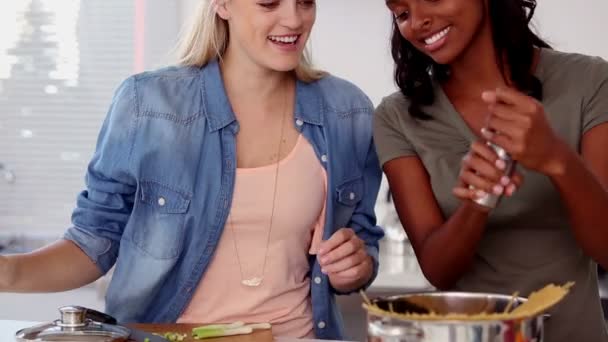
(528, 242)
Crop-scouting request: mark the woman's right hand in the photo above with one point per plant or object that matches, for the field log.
(482, 172)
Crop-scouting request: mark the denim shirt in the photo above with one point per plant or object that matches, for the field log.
(160, 185)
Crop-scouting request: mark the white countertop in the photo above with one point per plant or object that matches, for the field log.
(9, 328)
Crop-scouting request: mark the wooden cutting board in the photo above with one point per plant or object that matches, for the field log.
(256, 336)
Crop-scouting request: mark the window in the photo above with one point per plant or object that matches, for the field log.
(60, 62)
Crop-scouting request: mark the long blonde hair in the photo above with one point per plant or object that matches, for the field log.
(207, 39)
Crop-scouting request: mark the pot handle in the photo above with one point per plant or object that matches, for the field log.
(78, 316)
(100, 317)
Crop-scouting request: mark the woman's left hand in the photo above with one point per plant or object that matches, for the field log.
(344, 258)
(518, 124)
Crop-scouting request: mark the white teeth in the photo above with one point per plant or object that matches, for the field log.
(437, 36)
(284, 39)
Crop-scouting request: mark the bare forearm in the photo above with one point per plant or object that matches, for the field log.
(586, 201)
(448, 252)
(60, 266)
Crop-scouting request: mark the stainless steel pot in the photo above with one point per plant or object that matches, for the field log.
(382, 328)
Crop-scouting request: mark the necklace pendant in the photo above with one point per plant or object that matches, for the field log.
(252, 282)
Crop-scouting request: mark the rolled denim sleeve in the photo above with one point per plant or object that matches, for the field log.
(105, 206)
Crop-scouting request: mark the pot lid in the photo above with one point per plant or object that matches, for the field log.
(77, 324)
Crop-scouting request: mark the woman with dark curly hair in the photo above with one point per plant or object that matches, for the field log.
(476, 81)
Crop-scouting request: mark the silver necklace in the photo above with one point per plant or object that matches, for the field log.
(257, 280)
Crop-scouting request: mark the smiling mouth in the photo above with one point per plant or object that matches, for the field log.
(285, 40)
(437, 36)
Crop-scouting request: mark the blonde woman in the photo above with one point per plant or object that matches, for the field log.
(238, 186)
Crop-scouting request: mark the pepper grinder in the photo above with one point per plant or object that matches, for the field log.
(491, 200)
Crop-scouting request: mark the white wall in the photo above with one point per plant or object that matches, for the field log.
(576, 26)
(351, 40)
(351, 37)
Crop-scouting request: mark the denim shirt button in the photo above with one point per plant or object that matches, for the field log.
(324, 158)
(352, 196)
(299, 122)
(162, 201)
(321, 325)
(317, 280)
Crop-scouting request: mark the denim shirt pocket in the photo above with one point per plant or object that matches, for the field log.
(160, 213)
(348, 195)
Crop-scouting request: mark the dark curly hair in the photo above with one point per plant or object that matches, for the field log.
(513, 38)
